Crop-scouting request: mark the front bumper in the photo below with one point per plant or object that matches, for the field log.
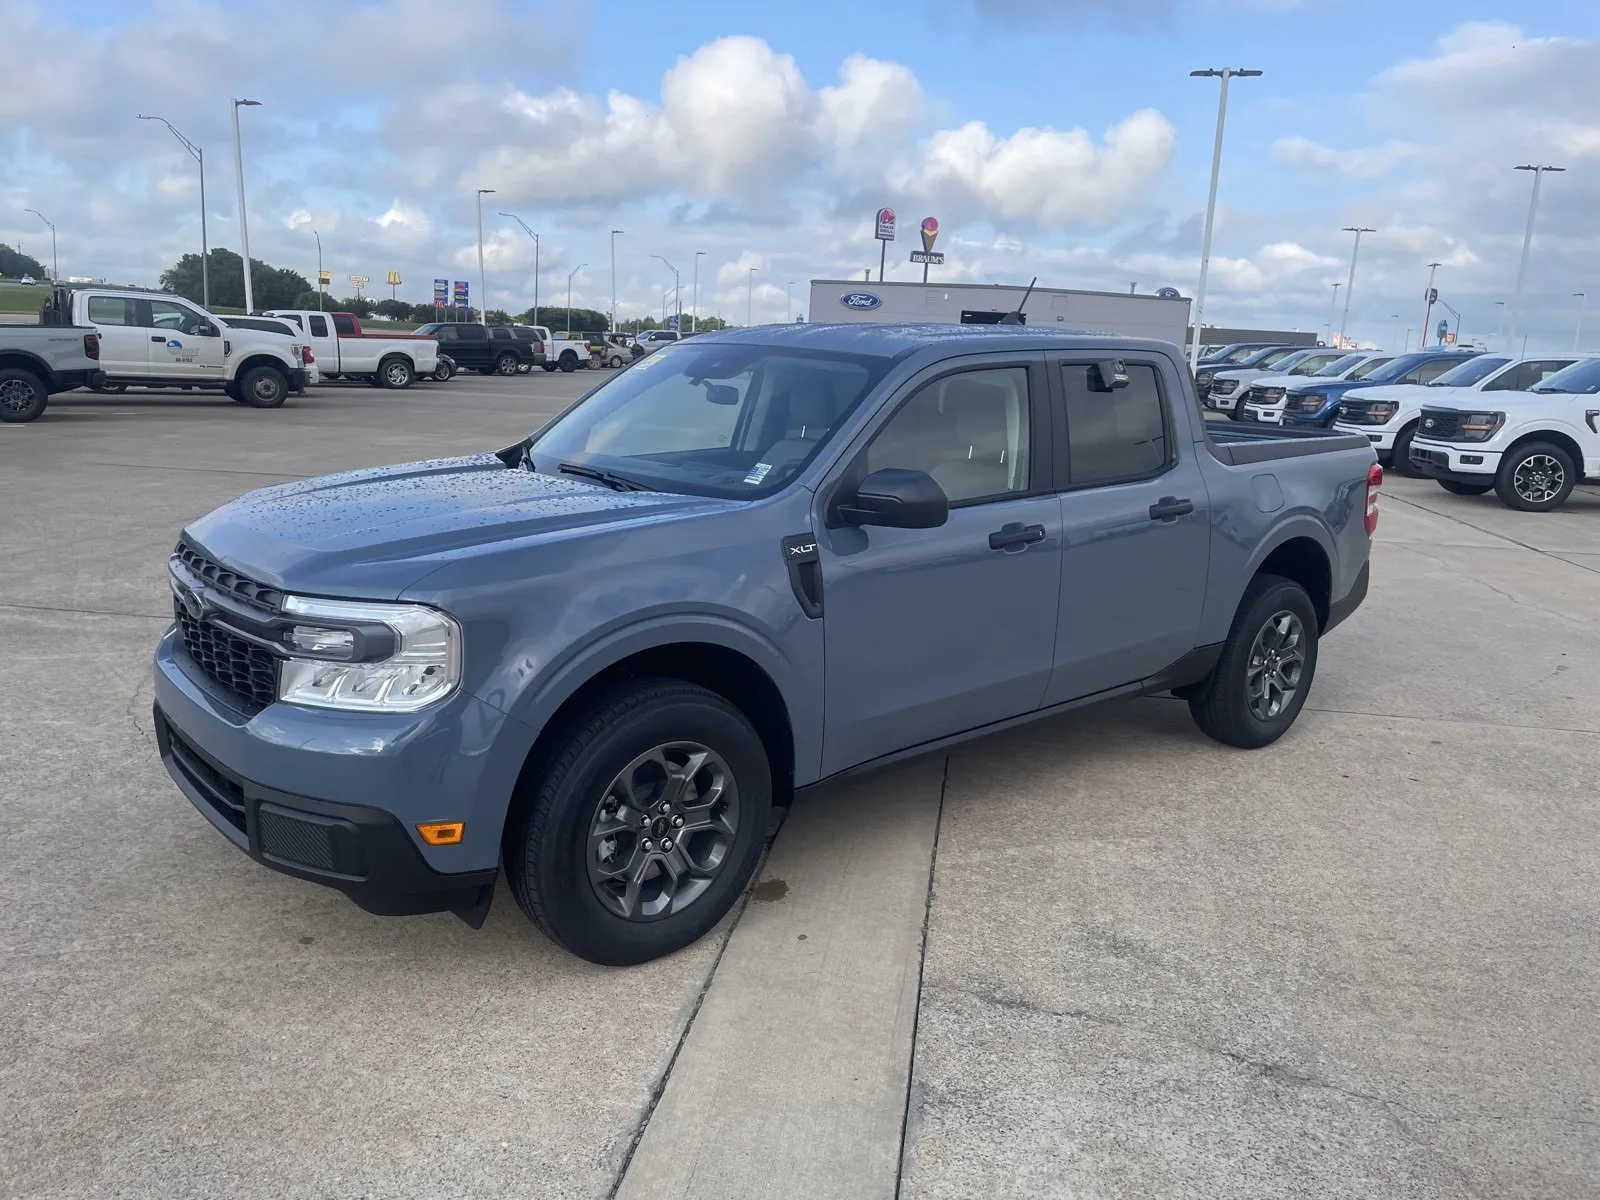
(1464, 464)
(1261, 414)
(1381, 436)
(335, 797)
(1222, 403)
(1323, 420)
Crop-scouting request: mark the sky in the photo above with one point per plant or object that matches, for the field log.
(1063, 139)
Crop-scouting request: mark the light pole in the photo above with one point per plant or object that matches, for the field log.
(1527, 240)
(1350, 286)
(55, 265)
(1225, 74)
(205, 252)
(750, 298)
(614, 233)
(535, 238)
(1333, 308)
(1427, 303)
(318, 236)
(1500, 333)
(677, 288)
(694, 310)
(575, 270)
(1395, 317)
(1578, 332)
(244, 226)
(483, 286)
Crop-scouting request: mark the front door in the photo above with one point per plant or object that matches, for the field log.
(931, 632)
(470, 347)
(124, 342)
(1137, 522)
(184, 344)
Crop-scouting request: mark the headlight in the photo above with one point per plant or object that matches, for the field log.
(1480, 427)
(369, 657)
(1272, 393)
(1379, 414)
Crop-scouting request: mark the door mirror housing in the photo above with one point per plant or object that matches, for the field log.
(897, 499)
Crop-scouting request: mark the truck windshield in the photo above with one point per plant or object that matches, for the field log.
(1469, 373)
(1580, 379)
(1339, 366)
(1365, 370)
(724, 419)
(1397, 368)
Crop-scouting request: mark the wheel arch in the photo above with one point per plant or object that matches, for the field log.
(1556, 437)
(252, 361)
(1299, 550)
(31, 363)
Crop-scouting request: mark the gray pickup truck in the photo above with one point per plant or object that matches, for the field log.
(37, 361)
(751, 563)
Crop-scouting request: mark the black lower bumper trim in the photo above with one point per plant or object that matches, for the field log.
(1342, 608)
(1432, 470)
(363, 851)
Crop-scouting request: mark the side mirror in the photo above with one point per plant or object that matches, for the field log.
(897, 499)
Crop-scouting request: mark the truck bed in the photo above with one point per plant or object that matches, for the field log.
(1239, 445)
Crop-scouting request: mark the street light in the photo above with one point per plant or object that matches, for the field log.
(750, 298)
(535, 238)
(1395, 317)
(55, 265)
(1578, 332)
(1427, 303)
(575, 270)
(1225, 74)
(1350, 286)
(677, 288)
(318, 236)
(614, 233)
(244, 226)
(1527, 240)
(483, 285)
(205, 252)
(694, 312)
(1333, 308)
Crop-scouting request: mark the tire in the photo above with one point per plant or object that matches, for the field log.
(549, 366)
(506, 364)
(1535, 477)
(569, 362)
(443, 373)
(614, 361)
(110, 389)
(1222, 706)
(395, 374)
(554, 841)
(524, 368)
(1465, 489)
(1400, 456)
(23, 396)
(264, 387)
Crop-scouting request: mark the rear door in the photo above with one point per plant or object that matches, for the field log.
(184, 344)
(470, 346)
(1136, 521)
(124, 342)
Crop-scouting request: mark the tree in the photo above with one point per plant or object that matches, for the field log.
(312, 301)
(395, 310)
(585, 320)
(274, 287)
(14, 264)
(499, 316)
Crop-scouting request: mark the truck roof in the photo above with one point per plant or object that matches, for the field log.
(890, 341)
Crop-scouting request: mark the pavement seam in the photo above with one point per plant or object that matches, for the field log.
(922, 966)
(199, 470)
(659, 1089)
(85, 612)
(1433, 512)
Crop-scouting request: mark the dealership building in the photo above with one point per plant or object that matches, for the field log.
(1123, 313)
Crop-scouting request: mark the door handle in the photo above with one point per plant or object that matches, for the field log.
(1170, 508)
(158, 337)
(1015, 534)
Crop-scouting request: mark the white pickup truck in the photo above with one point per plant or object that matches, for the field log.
(569, 351)
(344, 351)
(157, 340)
(1530, 448)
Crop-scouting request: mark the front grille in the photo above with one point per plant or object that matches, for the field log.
(257, 595)
(247, 670)
(1440, 423)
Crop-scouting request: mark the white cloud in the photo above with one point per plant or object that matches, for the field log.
(1365, 163)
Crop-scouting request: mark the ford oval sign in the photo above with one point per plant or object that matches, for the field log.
(860, 300)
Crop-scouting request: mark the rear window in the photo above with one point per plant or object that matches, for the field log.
(1580, 379)
(112, 310)
(1114, 436)
(1468, 373)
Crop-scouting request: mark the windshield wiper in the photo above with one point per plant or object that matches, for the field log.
(617, 483)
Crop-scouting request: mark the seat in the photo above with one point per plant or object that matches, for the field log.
(808, 407)
(974, 420)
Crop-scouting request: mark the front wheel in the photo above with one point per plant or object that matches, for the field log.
(110, 389)
(549, 366)
(1456, 488)
(1535, 477)
(614, 361)
(1400, 456)
(443, 372)
(569, 362)
(644, 824)
(264, 387)
(396, 374)
(1259, 685)
(23, 395)
(524, 368)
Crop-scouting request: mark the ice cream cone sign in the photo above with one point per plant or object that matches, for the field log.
(930, 232)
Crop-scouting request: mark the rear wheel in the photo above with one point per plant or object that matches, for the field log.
(614, 361)
(264, 387)
(524, 368)
(506, 364)
(1535, 477)
(444, 371)
(569, 361)
(395, 373)
(1456, 488)
(549, 366)
(1259, 685)
(23, 395)
(643, 826)
(110, 389)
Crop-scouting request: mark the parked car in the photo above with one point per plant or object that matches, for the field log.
(839, 547)
(620, 350)
(526, 337)
(37, 363)
(344, 351)
(150, 339)
(473, 347)
(1531, 447)
(1228, 383)
(282, 329)
(1226, 358)
(445, 371)
(1387, 416)
(1298, 365)
(653, 339)
(1265, 398)
(27, 281)
(568, 351)
(1316, 402)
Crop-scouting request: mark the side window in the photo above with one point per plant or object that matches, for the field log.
(1115, 436)
(344, 326)
(179, 318)
(319, 326)
(1428, 372)
(470, 333)
(112, 310)
(1524, 375)
(444, 334)
(970, 431)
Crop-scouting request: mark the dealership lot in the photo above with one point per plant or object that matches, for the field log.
(1099, 957)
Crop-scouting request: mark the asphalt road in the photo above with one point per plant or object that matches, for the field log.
(1099, 957)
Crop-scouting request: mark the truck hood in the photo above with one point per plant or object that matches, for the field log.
(1400, 392)
(371, 534)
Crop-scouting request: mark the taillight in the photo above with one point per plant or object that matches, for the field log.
(1374, 482)
(91, 345)
(309, 357)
